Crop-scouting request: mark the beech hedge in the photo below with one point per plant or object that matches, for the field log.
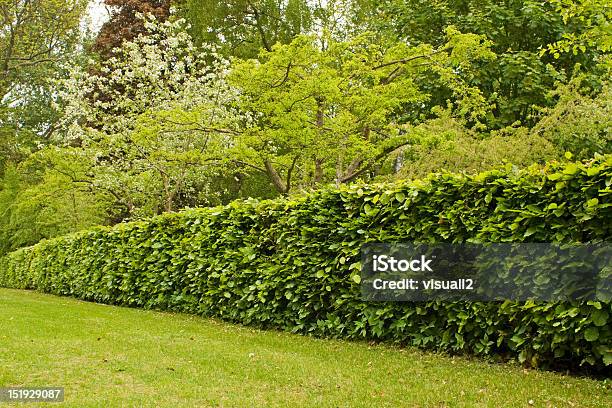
(293, 264)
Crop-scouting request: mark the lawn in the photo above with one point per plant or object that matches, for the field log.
(114, 356)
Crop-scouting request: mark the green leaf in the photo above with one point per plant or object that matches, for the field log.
(592, 202)
(591, 334)
(517, 339)
(571, 168)
(522, 357)
(607, 358)
(592, 171)
(599, 318)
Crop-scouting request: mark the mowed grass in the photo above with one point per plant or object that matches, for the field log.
(109, 356)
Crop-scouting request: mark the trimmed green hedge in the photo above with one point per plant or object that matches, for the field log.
(290, 264)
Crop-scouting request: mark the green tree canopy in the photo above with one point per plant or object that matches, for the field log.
(327, 114)
(243, 27)
(36, 36)
(519, 31)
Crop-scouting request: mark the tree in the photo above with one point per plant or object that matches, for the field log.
(580, 122)
(154, 123)
(34, 34)
(450, 146)
(521, 77)
(35, 37)
(39, 200)
(327, 114)
(124, 23)
(594, 16)
(243, 27)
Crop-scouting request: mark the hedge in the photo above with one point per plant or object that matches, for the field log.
(291, 264)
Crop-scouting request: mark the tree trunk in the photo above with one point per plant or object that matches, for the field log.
(318, 173)
(168, 195)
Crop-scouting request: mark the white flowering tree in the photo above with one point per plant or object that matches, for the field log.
(155, 120)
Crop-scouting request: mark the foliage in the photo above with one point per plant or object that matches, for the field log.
(125, 24)
(292, 264)
(35, 36)
(452, 147)
(579, 123)
(522, 75)
(316, 93)
(38, 201)
(327, 114)
(243, 27)
(155, 122)
(595, 16)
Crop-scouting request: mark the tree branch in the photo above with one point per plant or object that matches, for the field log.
(358, 172)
